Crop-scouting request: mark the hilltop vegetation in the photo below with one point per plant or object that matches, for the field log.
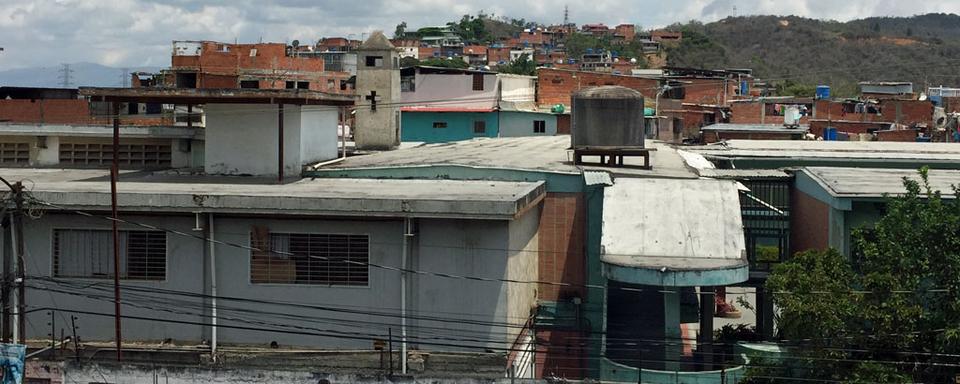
(923, 49)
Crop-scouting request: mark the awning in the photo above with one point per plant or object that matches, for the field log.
(673, 232)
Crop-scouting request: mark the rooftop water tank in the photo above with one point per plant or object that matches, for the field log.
(823, 92)
(607, 117)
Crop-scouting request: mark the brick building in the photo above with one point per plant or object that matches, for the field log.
(555, 86)
(209, 64)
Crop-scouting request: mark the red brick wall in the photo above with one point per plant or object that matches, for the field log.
(217, 81)
(563, 124)
(562, 355)
(708, 91)
(911, 112)
(809, 223)
(561, 242)
(751, 113)
(57, 111)
(951, 104)
(555, 86)
(902, 135)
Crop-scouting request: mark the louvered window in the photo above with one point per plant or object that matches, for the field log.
(89, 254)
(15, 153)
(100, 153)
(301, 258)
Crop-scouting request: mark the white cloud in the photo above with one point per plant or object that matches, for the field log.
(139, 32)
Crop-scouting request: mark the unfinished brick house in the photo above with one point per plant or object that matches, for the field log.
(209, 64)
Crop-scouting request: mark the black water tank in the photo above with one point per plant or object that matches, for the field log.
(608, 116)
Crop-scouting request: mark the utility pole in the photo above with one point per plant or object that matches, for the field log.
(114, 175)
(64, 77)
(16, 221)
(124, 77)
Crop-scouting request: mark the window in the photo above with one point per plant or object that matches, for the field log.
(98, 152)
(479, 127)
(250, 84)
(477, 81)
(439, 124)
(15, 153)
(88, 253)
(303, 85)
(539, 126)
(290, 85)
(374, 61)
(302, 258)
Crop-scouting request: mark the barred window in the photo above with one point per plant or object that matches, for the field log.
(306, 258)
(88, 253)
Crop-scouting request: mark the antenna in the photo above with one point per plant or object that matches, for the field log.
(64, 76)
(566, 15)
(734, 11)
(124, 76)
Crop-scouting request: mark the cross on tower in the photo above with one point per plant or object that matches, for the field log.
(373, 100)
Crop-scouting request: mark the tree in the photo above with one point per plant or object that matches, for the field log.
(521, 66)
(896, 299)
(409, 61)
(445, 62)
(401, 30)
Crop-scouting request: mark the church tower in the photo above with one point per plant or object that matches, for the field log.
(378, 94)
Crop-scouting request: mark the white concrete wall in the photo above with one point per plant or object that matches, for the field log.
(242, 138)
(452, 91)
(50, 155)
(514, 124)
(318, 130)
(517, 88)
(522, 265)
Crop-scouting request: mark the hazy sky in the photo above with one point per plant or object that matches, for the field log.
(138, 32)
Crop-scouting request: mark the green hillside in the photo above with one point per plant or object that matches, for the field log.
(801, 52)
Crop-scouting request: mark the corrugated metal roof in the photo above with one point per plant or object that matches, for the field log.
(597, 178)
(696, 226)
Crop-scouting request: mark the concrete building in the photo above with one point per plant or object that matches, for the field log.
(445, 104)
(210, 64)
(292, 128)
(378, 92)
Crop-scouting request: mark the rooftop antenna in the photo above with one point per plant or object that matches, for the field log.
(566, 15)
(734, 11)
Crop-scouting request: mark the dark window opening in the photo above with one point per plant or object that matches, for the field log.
(186, 80)
(303, 85)
(539, 126)
(250, 84)
(439, 124)
(290, 85)
(133, 108)
(374, 61)
(477, 81)
(479, 127)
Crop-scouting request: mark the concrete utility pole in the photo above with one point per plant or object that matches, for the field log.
(16, 220)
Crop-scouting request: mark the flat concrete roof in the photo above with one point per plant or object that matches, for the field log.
(215, 96)
(536, 153)
(799, 149)
(691, 237)
(876, 182)
(167, 192)
(72, 130)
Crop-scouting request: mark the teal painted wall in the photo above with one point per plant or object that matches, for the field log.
(418, 126)
(514, 124)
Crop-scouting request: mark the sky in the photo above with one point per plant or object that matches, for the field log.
(135, 33)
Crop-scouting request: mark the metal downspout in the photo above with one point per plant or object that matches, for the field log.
(213, 287)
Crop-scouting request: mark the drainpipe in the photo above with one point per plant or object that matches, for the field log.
(404, 255)
(213, 288)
